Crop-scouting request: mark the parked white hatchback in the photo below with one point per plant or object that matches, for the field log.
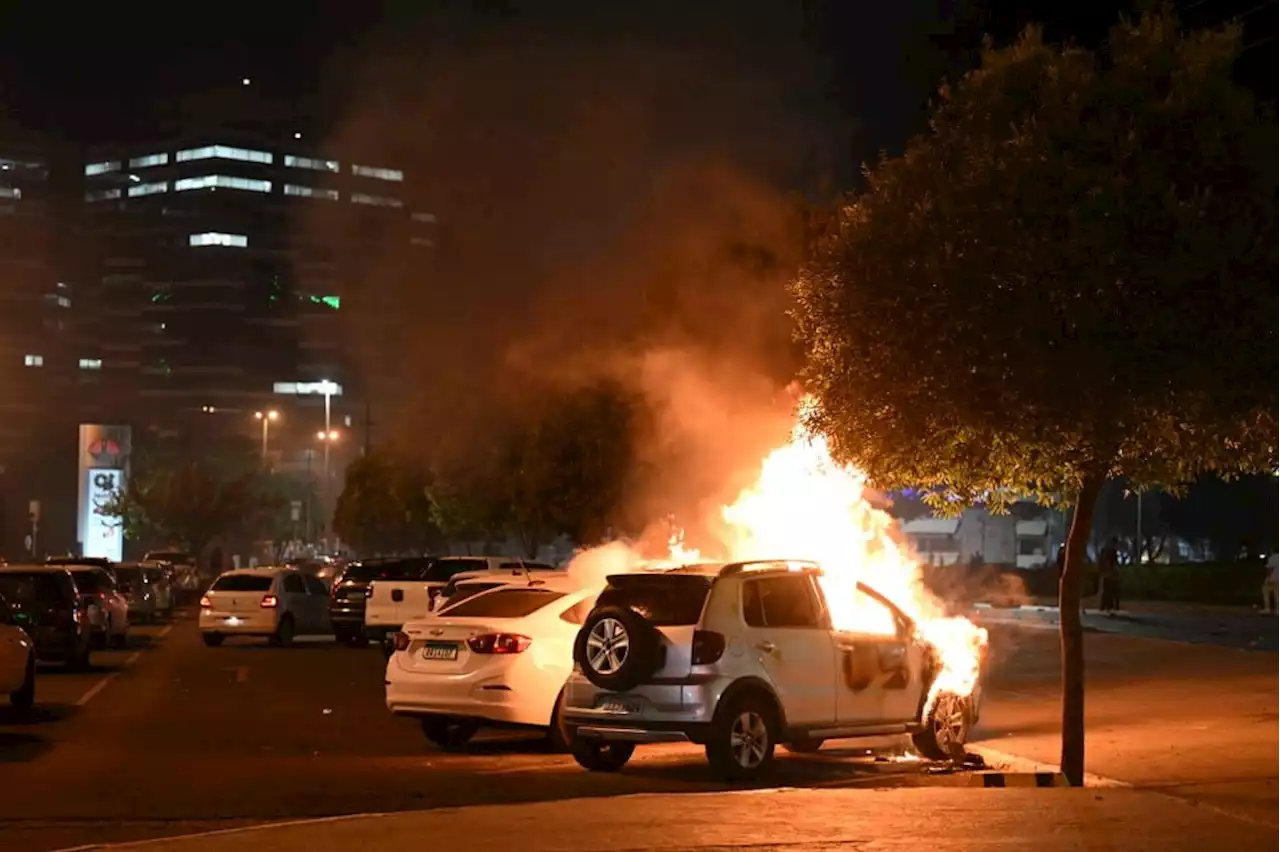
(497, 657)
(275, 603)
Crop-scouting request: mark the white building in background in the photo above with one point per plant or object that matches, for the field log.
(994, 539)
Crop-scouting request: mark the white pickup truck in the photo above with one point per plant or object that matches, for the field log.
(393, 603)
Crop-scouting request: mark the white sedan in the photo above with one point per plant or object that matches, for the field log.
(498, 657)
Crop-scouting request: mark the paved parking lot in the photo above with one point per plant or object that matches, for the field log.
(169, 737)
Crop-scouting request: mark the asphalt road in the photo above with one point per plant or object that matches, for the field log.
(172, 737)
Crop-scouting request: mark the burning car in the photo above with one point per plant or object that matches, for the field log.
(753, 654)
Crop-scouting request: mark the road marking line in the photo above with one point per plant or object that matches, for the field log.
(102, 684)
(1014, 763)
(220, 831)
(164, 632)
(95, 689)
(242, 674)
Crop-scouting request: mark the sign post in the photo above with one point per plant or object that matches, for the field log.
(104, 469)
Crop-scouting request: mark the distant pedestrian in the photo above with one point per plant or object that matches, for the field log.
(1109, 577)
(1271, 585)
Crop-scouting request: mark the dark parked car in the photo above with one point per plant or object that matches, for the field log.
(350, 591)
(46, 603)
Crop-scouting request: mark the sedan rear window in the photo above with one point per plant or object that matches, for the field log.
(503, 603)
(458, 594)
(398, 569)
(32, 588)
(665, 600)
(91, 581)
(241, 583)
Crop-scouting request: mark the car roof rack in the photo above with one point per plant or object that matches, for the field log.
(794, 565)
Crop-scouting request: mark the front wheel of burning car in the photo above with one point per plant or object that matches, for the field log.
(946, 730)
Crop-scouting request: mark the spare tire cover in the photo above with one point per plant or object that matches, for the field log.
(617, 649)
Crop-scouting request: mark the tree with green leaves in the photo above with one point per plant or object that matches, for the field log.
(385, 506)
(1069, 278)
(569, 468)
(191, 504)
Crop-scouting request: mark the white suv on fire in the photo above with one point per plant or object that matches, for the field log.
(741, 657)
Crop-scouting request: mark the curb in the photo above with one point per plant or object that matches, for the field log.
(1016, 765)
(997, 779)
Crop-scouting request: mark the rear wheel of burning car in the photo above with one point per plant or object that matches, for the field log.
(599, 755)
(448, 733)
(946, 730)
(617, 648)
(742, 737)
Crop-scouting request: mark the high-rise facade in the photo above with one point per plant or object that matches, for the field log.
(38, 363)
(230, 266)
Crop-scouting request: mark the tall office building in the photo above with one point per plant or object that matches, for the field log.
(37, 362)
(232, 266)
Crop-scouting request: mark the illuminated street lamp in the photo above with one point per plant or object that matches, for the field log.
(266, 417)
(326, 436)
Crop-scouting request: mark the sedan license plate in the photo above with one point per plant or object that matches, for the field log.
(440, 651)
(618, 705)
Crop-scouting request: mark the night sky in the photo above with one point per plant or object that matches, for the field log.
(603, 170)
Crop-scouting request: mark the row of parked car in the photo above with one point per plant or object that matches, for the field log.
(62, 610)
(737, 657)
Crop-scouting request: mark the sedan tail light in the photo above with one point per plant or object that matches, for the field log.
(400, 641)
(708, 646)
(205, 602)
(498, 643)
(269, 602)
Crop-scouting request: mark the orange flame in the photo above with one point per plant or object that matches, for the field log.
(805, 506)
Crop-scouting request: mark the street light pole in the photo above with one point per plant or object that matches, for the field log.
(328, 433)
(266, 417)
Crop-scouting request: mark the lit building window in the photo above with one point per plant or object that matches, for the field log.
(149, 160)
(105, 166)
(380, 174)
(310, 163)
(148, 188)
(224, 152)
(33, 360)
(214, 238)
(375, 200)
(221, 181)
(90, 363)
(10, 192)
(101, 194)
(310, 192)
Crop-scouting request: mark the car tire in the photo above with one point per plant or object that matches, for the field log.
(213, 640)
(804, 745)
(946, 730)
(283, 637)
(743, 733)
(81, 658)
(607, 631)
(24, 697)
(599, 755)
(448, 733)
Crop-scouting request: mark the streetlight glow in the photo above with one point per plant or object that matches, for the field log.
(266, 417)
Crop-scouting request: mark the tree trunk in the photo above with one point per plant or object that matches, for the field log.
(1072, 633)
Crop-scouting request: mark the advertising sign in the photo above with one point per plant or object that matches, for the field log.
(102, 533)
(104, 468)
